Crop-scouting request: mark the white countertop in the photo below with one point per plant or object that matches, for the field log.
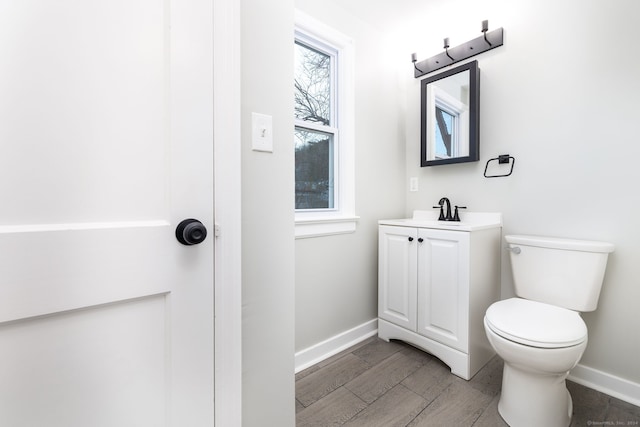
(469, 221)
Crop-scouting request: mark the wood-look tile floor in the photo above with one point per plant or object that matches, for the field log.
(380, 384)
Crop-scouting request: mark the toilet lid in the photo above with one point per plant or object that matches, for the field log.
(536, 324)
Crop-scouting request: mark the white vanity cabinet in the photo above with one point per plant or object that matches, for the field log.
(435, 283)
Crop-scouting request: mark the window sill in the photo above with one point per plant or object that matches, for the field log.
(317, 227)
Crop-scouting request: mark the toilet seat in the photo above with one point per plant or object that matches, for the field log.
(536, 324)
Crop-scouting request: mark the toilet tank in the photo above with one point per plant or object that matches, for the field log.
(562, 272)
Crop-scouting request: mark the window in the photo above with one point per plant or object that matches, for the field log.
(315, 131)
(314, 170)
(323, 134)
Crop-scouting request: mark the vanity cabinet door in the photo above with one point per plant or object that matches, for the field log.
(397, 275)
(442, 290)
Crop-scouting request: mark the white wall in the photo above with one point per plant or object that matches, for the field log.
(267, 217)
(336, 276)
(561, 96)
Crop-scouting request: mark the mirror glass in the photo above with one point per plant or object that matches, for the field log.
(450, 115)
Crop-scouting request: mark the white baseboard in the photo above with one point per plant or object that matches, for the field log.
(606, 383)
(334, 345)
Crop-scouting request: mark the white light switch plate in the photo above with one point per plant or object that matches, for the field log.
(261, 132)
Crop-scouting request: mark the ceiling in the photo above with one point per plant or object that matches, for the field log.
(387, 14)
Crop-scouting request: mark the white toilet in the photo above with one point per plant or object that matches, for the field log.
(540, 335)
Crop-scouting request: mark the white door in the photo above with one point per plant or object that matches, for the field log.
(106, 144)
(397, 275)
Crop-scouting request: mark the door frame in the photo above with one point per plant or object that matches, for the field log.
(227, 178)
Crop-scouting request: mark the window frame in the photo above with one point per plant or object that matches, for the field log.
(341, 218)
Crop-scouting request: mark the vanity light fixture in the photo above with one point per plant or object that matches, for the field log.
(414, 58)
(446, 49)
(489, 40)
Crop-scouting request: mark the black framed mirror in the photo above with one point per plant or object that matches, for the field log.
(450, 116)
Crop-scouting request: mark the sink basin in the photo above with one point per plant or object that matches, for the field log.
(469, 221)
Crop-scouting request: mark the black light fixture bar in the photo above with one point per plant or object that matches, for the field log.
(487, 41)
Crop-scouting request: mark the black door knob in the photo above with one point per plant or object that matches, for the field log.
(191, 232)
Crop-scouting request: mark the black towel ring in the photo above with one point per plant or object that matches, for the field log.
(502, 159)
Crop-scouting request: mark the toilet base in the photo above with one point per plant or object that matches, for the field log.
(532, 399)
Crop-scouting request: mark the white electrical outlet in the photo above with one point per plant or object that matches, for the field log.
(261, 132)
(413, 184)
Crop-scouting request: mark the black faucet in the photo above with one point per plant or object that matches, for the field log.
(448, 216)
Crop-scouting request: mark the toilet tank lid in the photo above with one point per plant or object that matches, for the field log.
(560, 243)
(536, 324)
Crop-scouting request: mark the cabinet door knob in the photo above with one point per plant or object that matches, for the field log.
(420, 240)
(411, 239)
